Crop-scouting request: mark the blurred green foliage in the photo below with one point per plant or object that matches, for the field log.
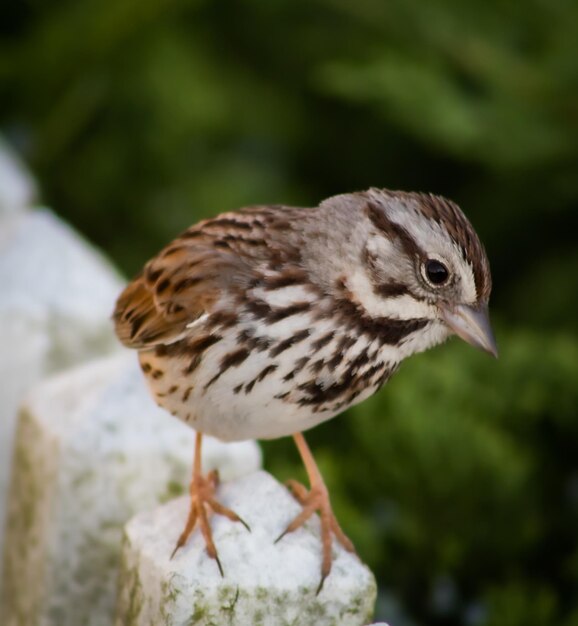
(469, 470)
(459, 481)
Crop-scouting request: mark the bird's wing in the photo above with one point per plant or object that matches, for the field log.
(188, 277)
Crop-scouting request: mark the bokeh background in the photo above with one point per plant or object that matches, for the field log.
(459, 481)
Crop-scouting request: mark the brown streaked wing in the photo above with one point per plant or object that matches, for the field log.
(134, 310)
(174, 290)
(186, 278)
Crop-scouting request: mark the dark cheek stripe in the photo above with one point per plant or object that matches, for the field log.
(387, 330)
(390, 290)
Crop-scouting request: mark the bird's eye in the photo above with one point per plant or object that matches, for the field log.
(436, 272)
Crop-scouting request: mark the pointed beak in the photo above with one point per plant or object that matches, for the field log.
(472, 325)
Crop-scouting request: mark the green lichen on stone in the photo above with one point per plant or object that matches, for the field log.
(24, 480)
(228, 603)
(261, 594)
(169, 595)
(31, 485)
(281, 599)
(198, 614)
(234, 605)
(132, 599)
(258, 617)
(173, 490)
(83, 478)
(364, 599)
(169, 590)
(315, 610)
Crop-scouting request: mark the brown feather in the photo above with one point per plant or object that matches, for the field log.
(186, 278)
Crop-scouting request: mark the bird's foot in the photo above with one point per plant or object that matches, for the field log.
(312, 500)
(203, 504)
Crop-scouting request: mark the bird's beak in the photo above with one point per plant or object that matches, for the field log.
(472, 325)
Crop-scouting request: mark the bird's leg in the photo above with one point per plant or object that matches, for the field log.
(316, 499)
(203, 503)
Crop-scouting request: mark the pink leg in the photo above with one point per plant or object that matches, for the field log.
(316, 499)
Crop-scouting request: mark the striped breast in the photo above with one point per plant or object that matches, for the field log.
(279, 359)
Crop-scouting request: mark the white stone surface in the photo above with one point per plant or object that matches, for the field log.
(92, 449)
(17, 187)
(264, 583)
(56, 297)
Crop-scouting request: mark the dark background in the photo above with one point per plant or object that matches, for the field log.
(459, 481)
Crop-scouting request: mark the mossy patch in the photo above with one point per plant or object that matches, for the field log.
(173, 490)
(132, 597)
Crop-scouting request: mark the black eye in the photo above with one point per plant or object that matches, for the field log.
(437, 273)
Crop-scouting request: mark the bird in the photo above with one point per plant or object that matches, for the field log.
(263, 322)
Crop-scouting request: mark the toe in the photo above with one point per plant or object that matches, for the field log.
(343, 539)
(299, 491)
(305, 514)
(218, 508)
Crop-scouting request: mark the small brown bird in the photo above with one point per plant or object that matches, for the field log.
(266, 321)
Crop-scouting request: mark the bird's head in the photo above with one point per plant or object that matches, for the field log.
(422, 259)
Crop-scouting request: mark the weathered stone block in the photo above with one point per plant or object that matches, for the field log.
(92, 449)
(56, 297)
(264, 583)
